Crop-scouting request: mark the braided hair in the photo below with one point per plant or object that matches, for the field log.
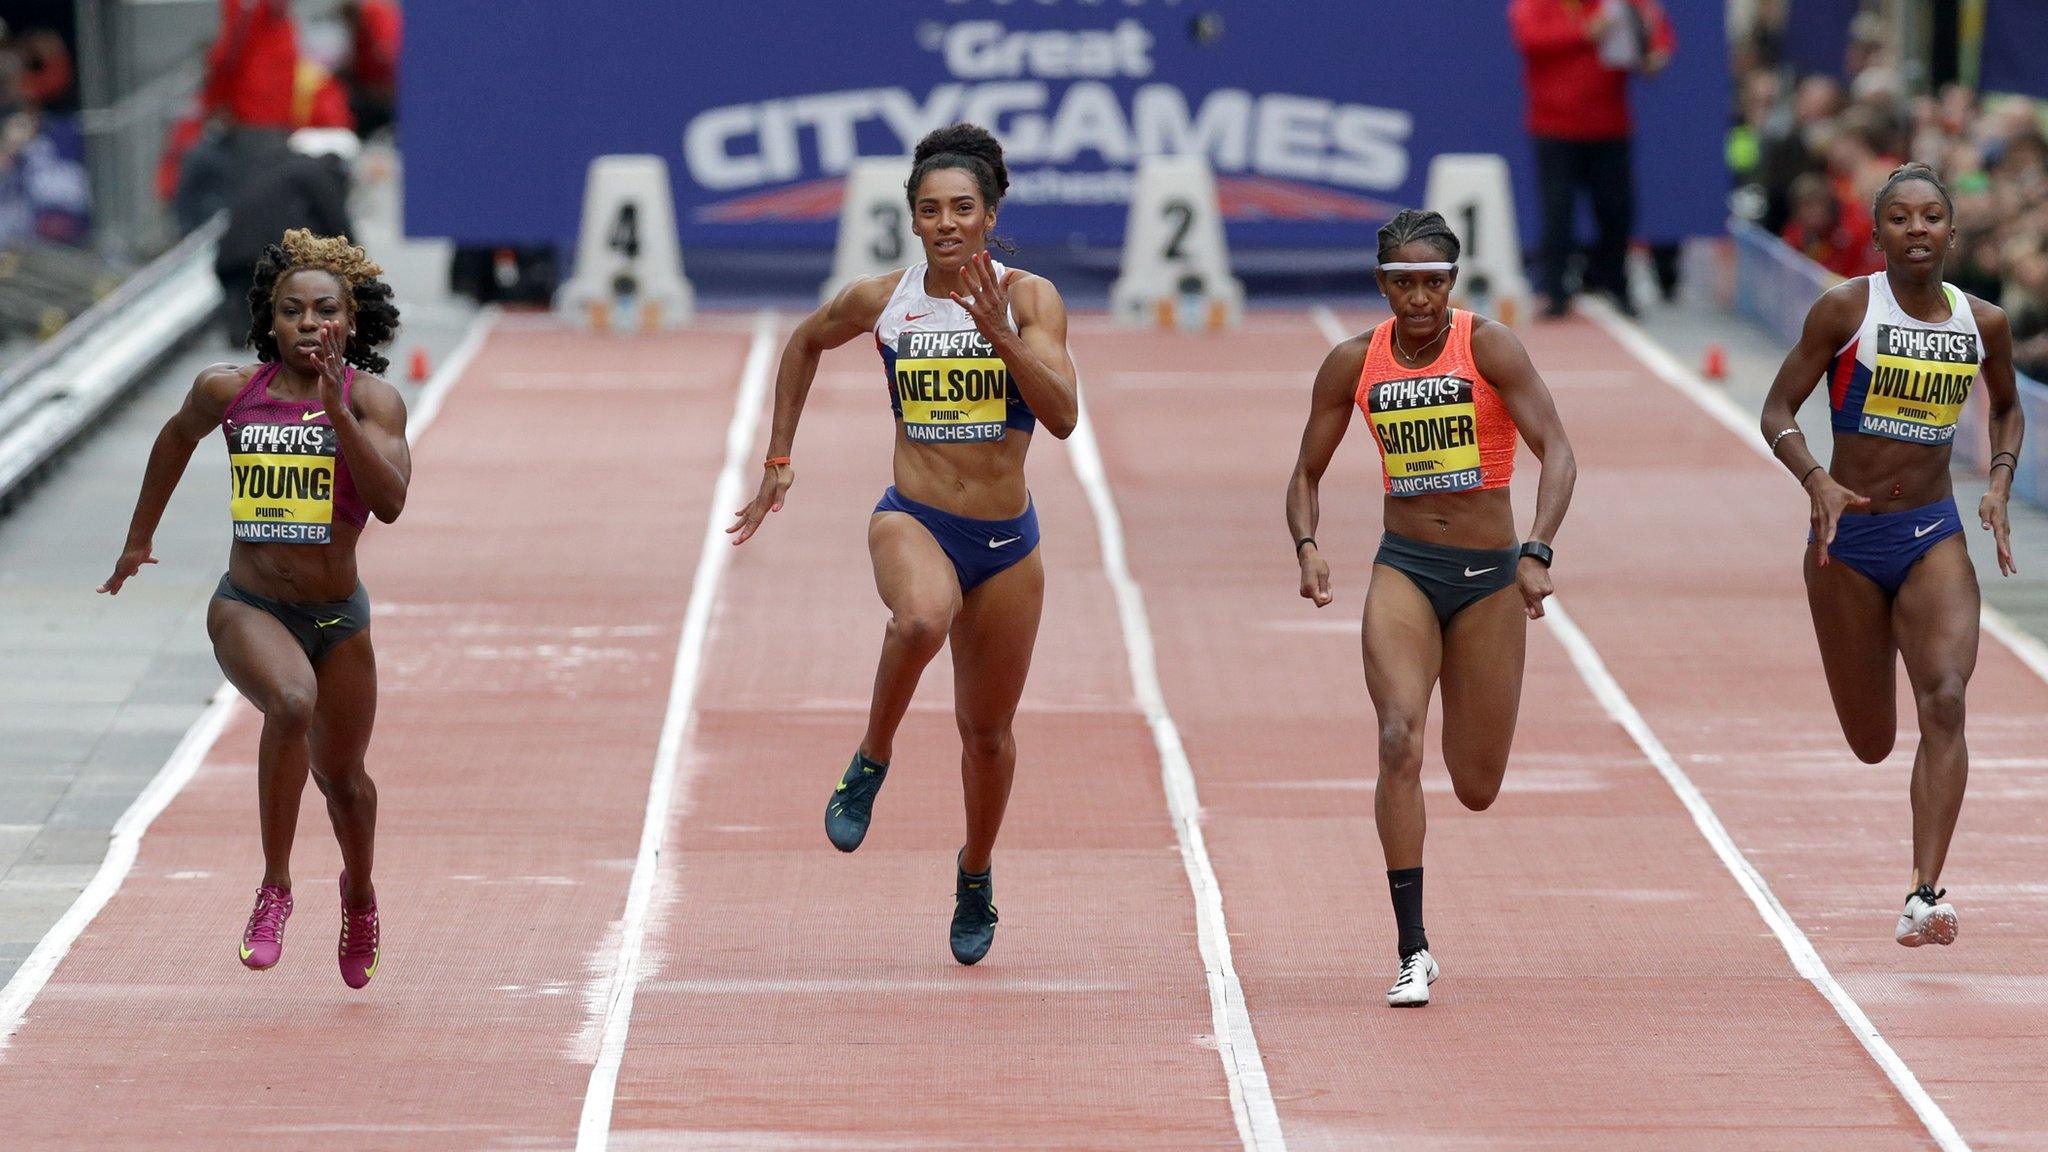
(1410, 226)
(970, 148)
(374, 316)
(1912, 170)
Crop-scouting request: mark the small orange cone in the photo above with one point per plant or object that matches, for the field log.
(1716, 364)
(418, 372)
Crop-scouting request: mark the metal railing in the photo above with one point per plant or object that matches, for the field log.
(61, 388)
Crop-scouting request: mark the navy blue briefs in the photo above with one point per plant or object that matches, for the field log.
(979, 549)
(1885, 546)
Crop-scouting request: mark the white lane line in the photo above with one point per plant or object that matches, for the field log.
(1723, 410)
(1328, 324)
(714, 553)
(1251, 1097)
(1716, 404)
(125, 839)
(1805, 960)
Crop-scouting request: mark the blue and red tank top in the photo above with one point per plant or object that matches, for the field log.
(291, 482)
(1902, 378)
(946, 383)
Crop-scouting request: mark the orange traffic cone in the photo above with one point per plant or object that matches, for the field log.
(1715, 366)
(419, 370)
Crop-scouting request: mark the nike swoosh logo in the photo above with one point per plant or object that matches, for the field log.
(919, 316)
(1919, 532)
(313, 415)
(1481, 571)
(329, 623)
(841, 788)
(995, 543)
(247, 952)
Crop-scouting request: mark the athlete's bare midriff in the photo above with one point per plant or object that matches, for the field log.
(1483, 519)
(298, 573)
(1873, 465)
(979, 481)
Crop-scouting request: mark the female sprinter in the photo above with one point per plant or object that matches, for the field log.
(975, 355)
(1452, 592)
(316, 447)
(1887, 572)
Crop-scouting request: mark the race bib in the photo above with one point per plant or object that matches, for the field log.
(1429, 434)
(951, 387)
(1918, 385)
(283, 476)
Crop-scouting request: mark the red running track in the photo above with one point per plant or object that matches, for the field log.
(1607, 984)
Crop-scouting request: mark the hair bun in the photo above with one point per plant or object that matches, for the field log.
(970, 140)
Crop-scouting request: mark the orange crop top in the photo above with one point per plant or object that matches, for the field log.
(1442, 427)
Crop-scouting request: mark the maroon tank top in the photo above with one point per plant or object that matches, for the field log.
(290, 480)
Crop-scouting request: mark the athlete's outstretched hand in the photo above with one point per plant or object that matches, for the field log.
(1315, 578)
(775, 482)
(131, 561)
(1829, 499)
(989, 306)
(1532, 576)
(1991, 512)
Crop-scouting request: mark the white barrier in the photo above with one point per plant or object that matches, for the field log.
(874, 223)
(1176, 264)
(629, 268)
(1474, 194)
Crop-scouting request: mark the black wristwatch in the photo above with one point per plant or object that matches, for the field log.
(1538, 551)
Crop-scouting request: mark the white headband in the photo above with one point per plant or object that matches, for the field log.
(1431, 266)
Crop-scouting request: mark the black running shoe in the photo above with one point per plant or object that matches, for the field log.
(853, 803)
(974, 916)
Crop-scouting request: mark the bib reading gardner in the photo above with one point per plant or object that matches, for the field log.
(1428, 429)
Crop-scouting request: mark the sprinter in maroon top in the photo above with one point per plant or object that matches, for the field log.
(315, 447)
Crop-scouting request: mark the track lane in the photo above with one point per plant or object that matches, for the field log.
(1698, 553)
(802, 998)
(527, 611)
(1606, 983)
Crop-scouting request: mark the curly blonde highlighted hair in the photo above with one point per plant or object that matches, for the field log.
(374, 316)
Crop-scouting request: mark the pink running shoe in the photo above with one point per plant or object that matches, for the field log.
(358, 948)
(263, 939)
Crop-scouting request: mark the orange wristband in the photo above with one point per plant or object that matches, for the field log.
(774, 461)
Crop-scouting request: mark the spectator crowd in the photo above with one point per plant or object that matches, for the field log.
(1809, 152)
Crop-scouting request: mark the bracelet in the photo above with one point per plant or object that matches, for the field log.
(1795, 430)
(1300, 542)
(1808, 472)
(775, 462)
(1995, 456)
(1996, 464)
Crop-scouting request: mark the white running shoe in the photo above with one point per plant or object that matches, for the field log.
(1411, 988)
(1926, 922)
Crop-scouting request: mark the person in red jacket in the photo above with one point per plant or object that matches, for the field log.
(252, 68)
(1577, 56)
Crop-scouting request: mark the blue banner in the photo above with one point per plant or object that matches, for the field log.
(1319, 118)
(2015, 47)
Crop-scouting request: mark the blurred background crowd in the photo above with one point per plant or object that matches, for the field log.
(1810, 148)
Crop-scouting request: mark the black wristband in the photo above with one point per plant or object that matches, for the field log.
(1808, 472)
(1300, 542)
(1996, 455)
(2005, 464)
(1537, 550)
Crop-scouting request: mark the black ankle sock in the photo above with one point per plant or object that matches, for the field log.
(1405, 885)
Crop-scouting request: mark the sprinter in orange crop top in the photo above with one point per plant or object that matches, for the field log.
(1445, 393)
